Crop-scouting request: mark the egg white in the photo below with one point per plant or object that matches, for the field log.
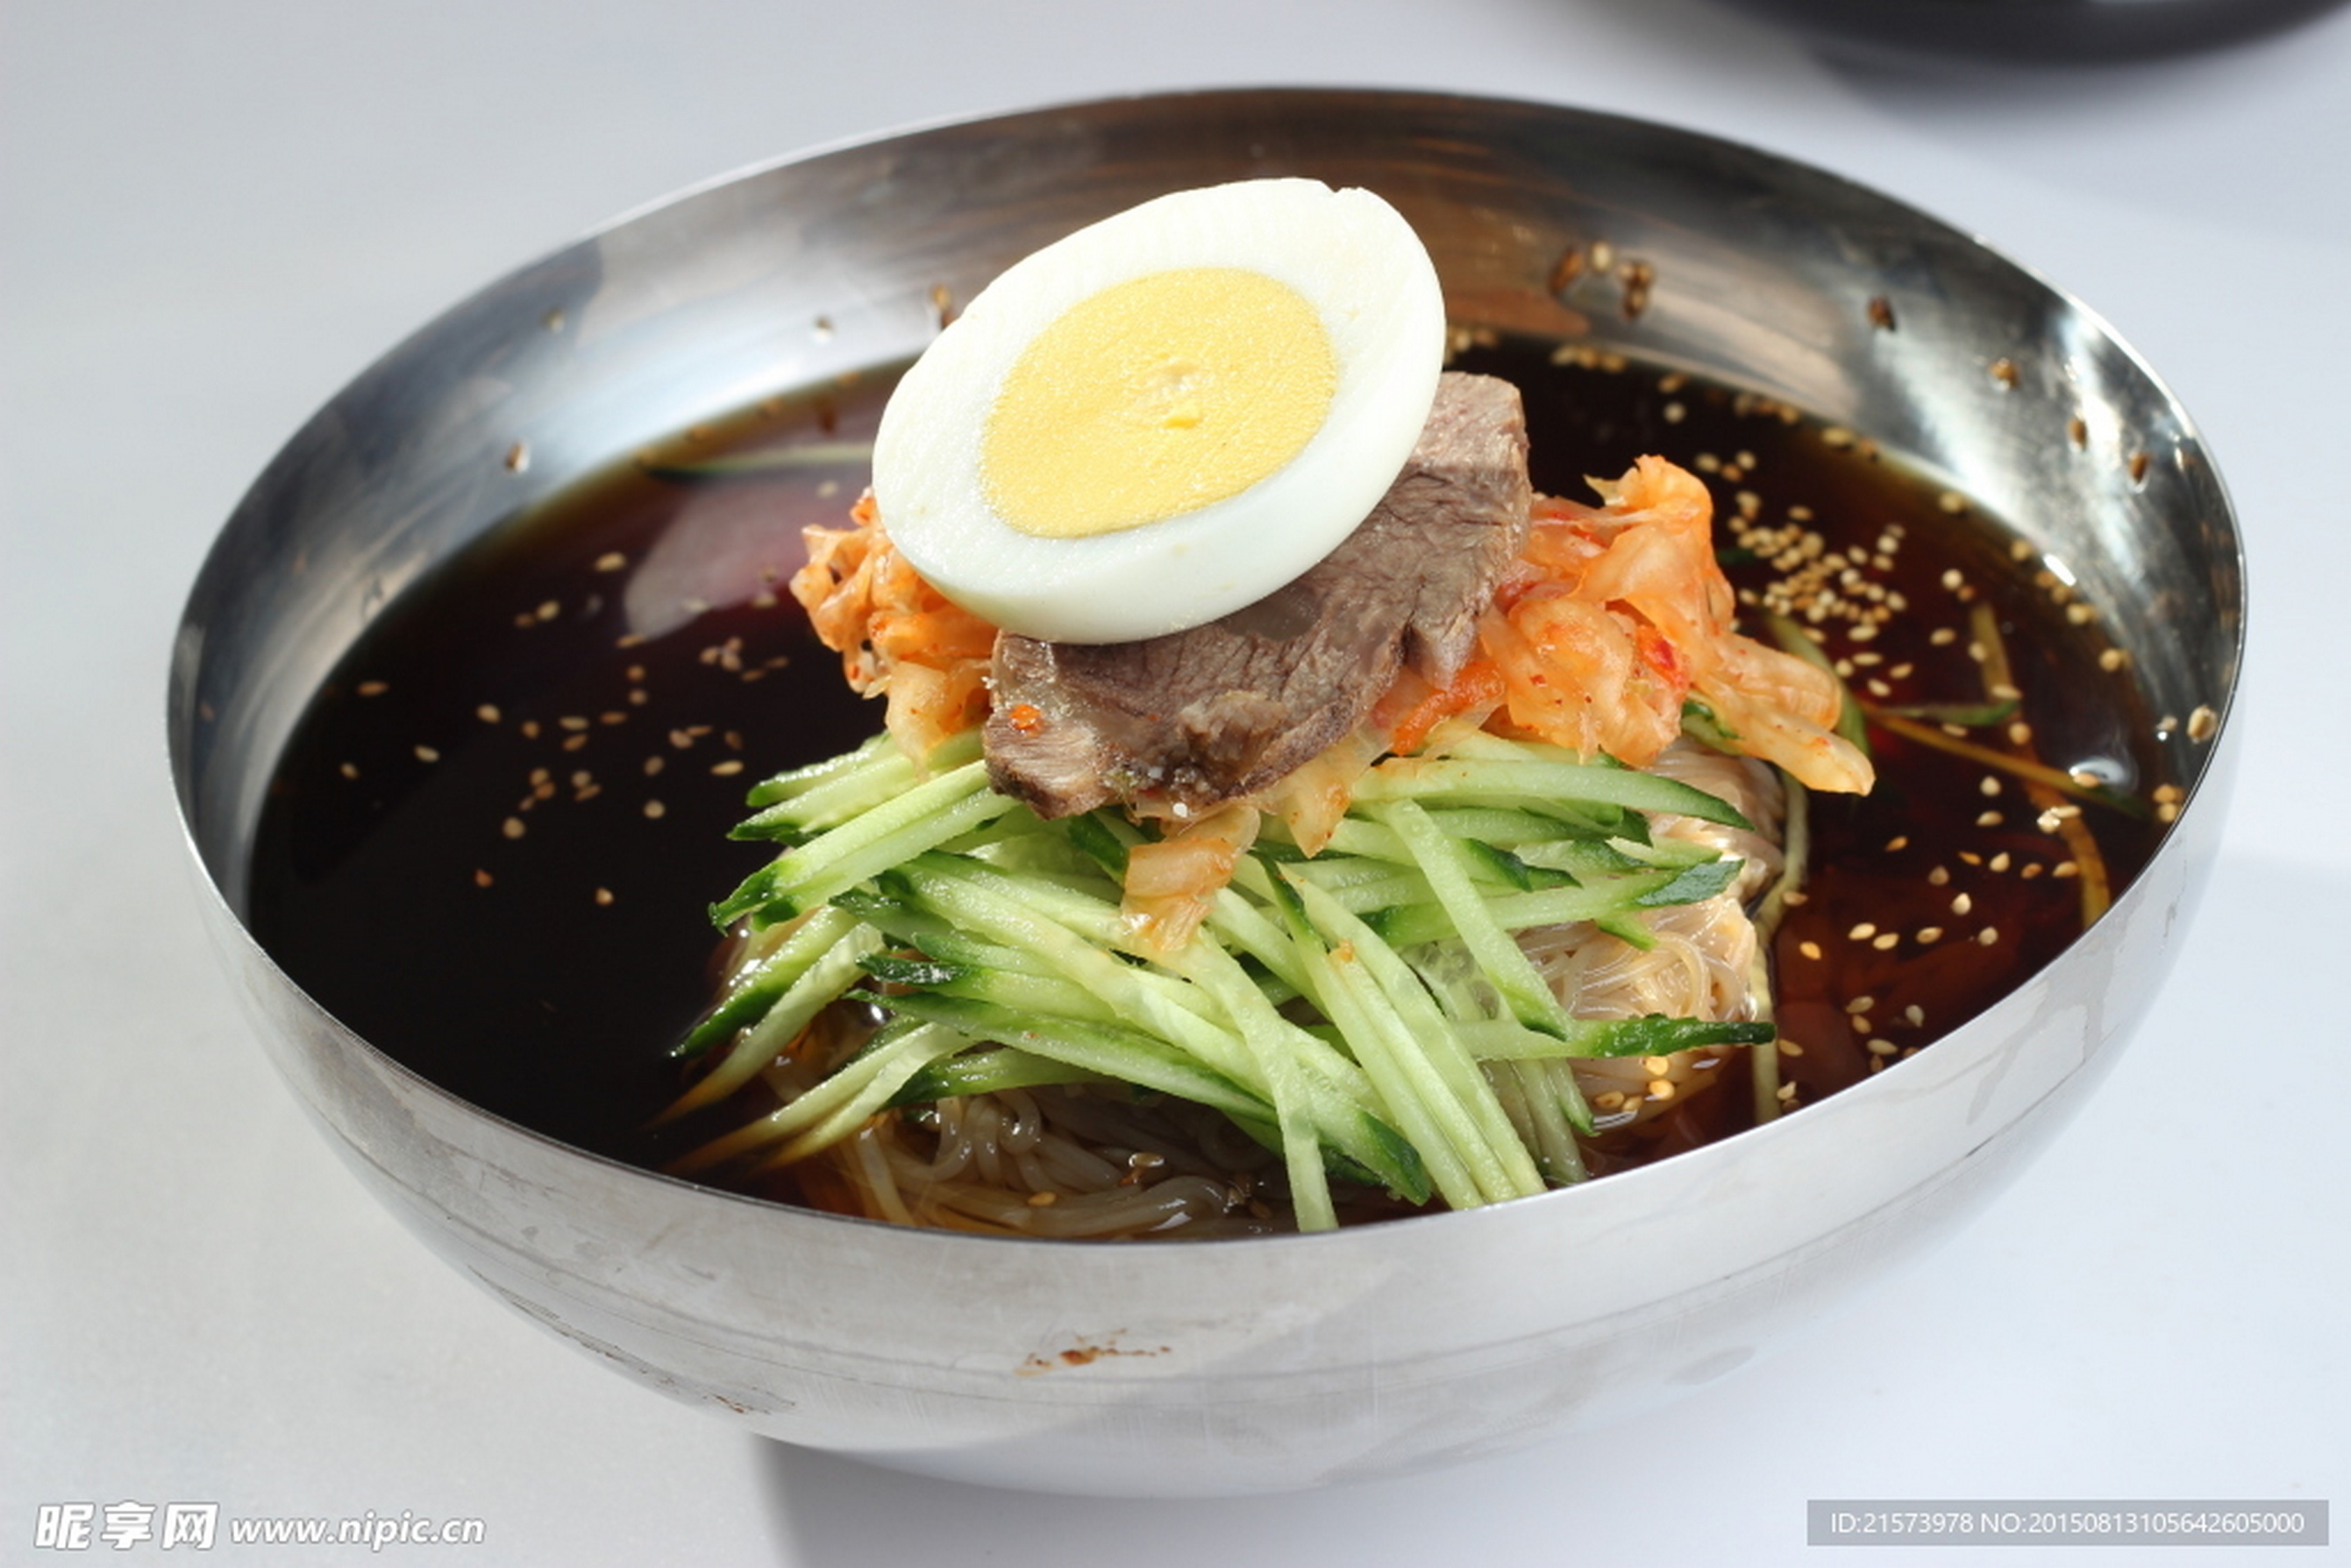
(1346, 253)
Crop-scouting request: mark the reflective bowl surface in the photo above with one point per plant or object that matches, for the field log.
(1250, 1365)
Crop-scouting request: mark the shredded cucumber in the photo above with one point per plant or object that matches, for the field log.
(1365, 1011)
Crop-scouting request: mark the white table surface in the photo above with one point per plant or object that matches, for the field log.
(211, 216)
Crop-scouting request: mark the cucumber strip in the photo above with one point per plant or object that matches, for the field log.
(1107, 1049)
(1509, 828)
(1410, 925)
(919, 820)
(1555, 1111)
(818, 987)
(1380, 845)
(1506, 966)
(1460, 1098)
(1299, 1071)
(1050, 994)
(1652, 1035)
(1693, 885)
(1247, 928)
(1452, 779)
(1256, 1051)
(1340, 1002)
(1400, 888)
(984, 1071)
(794, 782)
(832, 798)
(917, 1049)
(1156, 1003)
(1628, 928)
(752, 990)
(897, 1056)
(934, 937)
(1584, 858)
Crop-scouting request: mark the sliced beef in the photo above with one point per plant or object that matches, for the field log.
(1228, 708)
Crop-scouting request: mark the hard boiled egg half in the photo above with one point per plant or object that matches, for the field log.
(1166, 415)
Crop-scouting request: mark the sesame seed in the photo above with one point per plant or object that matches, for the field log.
(487, 712)
(530, 729)
(1043, 1199)
(1789, 1048)
(2203, 724)
(2000, 861)
(1988, 935)
(2020, 733)
(2167, 812)
(728, 767)
(2020, 551)
(2065, 869)
(2113, 659)
(2084, 778)
(1809, 949)
(1860, 1004)
(1674, 412)
(572, 721)
(1952, 579)
(605, 895)
(1990, 785)
(1939, 875)
(1989, 819)
(1881, 1047)
(655, 808)
(1928, 936)
(575, 742)
(1861, 933)
(1656, 1066)
(2079, 614)
(517, 458)
(512, 828)
(1942, 636)
(652, 766)
(1972, 857)
(2031, 868)
(1661, 1089)
(349, 770)
(1962, 904)
(373, 688)
(549, 610)
(612, 560)
(2048, 821)
(1610, 1101)
(1786, 1091)
(426, 753)
(1887, 940)
(1898, 841)
(481, 877)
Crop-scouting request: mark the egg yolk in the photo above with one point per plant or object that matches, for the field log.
(1154, 397)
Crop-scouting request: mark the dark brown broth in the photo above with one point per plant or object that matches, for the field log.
(544, 977)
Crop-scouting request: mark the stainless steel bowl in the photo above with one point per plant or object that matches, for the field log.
(1266, 1365)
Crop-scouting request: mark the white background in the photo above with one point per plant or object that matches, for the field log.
(214, 215)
